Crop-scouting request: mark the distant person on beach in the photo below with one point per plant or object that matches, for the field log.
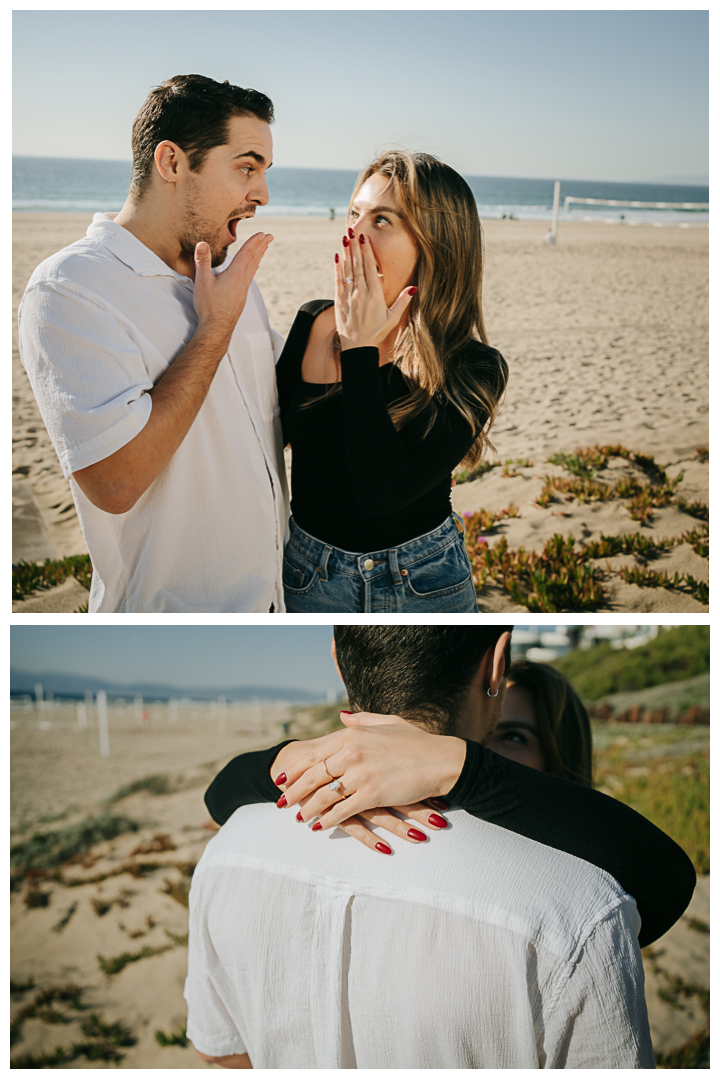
(481, 949)
(383, 392)
(549, 238)
(155, 373)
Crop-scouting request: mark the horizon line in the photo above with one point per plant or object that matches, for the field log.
(692, 181)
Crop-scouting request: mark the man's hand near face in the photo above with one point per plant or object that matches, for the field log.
(117, 482)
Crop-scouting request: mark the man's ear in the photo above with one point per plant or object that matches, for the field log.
(497, 664)
(167, 158)
(334, 656)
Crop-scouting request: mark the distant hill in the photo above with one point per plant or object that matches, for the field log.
(675, 654)
(75, 686)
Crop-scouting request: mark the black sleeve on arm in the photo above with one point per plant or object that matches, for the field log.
(244, 780)
(390, 469)
(649, 866)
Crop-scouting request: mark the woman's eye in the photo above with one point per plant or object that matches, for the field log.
(515, 736)
(380, 218)
(353, 214)
(247, 169)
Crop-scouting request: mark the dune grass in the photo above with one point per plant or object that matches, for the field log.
(677, 653)
(31, 577)
(50, 850)
(670, 789)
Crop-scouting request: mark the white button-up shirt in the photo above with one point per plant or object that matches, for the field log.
(477, 949)
(100, 323)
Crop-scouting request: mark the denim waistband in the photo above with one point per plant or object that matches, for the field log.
(393, 559)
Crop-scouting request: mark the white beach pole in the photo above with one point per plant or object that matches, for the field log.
(81, 716)
(556, 208)
(103, 727)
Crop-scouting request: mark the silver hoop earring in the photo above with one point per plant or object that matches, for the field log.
(493, 695)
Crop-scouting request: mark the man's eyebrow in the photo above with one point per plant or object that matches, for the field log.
(251, 154)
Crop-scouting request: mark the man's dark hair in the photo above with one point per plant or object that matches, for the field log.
(422, 673)
(194, 112)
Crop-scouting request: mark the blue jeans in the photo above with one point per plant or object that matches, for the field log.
(428, 574)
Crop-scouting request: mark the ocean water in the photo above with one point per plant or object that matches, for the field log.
(70, 184)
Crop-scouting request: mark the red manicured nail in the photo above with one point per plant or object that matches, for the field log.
(346, 242)
(337, 257)
(351, 234)
(316, 826)
(439, 804)
(344, 712)
(412, 291)
(281, 779)
(438, 822)
(298, 816)
(282, 801)
(383, 847)
(415, 834)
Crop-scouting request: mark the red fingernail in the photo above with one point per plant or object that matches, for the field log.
(281, 779)
(337, 257)
(344, 712)
(384, 848)
(282, 801)
(316, 826)
(362, 238)
(438, 822)
(351, 234)
(346, 242)
(439, 804)
(415, 834)
(298, 816)
(412, 291)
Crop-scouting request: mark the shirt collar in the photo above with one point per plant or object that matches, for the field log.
(129, 250)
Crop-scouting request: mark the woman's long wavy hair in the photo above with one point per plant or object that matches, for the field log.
(562, 720)
(440, 210)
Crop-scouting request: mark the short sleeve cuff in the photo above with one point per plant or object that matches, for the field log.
(214, 1047)
(109, 441)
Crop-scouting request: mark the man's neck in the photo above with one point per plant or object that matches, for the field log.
(149, 222)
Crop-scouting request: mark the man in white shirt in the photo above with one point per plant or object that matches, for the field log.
(154, 372)
(478, 948)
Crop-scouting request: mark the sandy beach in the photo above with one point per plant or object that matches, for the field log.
(606, 335)
(115, 925)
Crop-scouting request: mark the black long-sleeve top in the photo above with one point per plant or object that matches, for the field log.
(357, 482)
(650, 866)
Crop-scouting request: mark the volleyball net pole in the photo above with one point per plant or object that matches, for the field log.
(556, 208)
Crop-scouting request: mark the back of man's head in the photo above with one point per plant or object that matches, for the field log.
(193, 112)
(422, 673)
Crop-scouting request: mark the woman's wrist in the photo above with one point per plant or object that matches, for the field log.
(451, 759)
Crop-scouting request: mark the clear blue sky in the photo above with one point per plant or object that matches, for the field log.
(594, 95)
(296, 657)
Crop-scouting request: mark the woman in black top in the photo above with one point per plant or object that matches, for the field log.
(383, 393)
(568, 816)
